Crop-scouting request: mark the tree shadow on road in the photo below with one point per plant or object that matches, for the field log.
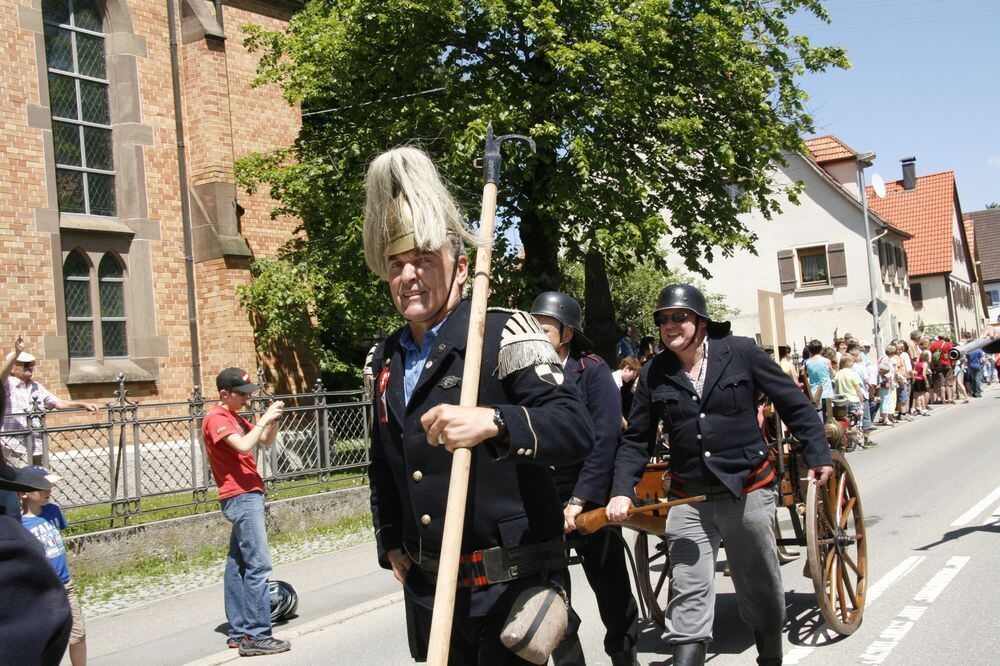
(993, 527)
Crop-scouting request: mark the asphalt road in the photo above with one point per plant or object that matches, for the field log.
(931, 498)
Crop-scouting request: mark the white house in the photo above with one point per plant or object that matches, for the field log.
(814, 253)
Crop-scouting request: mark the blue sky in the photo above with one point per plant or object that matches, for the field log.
(924, 82)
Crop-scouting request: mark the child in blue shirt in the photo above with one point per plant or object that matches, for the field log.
(46, 521)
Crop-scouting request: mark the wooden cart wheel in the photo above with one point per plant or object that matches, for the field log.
(652, 566)
(837, 548)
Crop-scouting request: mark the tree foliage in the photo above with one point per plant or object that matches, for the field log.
(637, 108)
(634, 294)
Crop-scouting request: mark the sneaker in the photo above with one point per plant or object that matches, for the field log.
(234, 641)
(261, 646)
(867, 444)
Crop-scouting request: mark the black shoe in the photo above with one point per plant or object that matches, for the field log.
(261, 646)
(689, 654)
(234, 641)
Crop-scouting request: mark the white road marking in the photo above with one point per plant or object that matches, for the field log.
(900, 570)
(993, 518)
(879, 650)
(971, 514)
(941, 579)
(798, 653)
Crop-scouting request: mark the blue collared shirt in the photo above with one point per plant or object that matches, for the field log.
(414, 357)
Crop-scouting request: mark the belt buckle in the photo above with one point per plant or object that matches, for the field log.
(496, 565)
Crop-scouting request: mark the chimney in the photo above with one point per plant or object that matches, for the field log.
(909, 172)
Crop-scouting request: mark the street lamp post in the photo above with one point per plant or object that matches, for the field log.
(864, 161)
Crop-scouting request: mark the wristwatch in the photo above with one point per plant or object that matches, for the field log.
(576, 501)
(499, 423)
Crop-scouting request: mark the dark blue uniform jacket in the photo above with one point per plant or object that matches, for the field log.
(512, 499)
(592, 378)
(715, 436)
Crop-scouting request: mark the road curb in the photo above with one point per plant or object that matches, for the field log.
(318, 624)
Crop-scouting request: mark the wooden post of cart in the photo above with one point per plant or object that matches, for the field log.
(771, 315)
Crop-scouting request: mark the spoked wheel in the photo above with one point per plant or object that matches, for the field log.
(837, 548)
(653, 574)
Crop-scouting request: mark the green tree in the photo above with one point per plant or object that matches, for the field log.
(637, 108)
(634, 293)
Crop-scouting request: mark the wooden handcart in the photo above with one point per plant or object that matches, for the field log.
(826, 520)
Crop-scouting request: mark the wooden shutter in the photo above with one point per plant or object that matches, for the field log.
(786, 270)
(836, 263)
(917, 296)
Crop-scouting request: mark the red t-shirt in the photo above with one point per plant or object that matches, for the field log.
(235, 473)
(943, 359)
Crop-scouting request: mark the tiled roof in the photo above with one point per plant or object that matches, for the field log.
(927, 211)
(829, 149)
(986, 224)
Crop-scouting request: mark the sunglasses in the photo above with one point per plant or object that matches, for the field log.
(676, 317)
(27, 366)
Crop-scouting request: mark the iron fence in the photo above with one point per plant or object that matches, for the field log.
(135, 458)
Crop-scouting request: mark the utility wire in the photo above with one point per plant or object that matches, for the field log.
(378, 101)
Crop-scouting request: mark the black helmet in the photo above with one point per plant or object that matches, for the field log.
(566, 310)
(689, 297)
(683, 296)
(284, 600)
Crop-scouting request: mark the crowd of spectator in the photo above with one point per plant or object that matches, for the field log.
(903, 383)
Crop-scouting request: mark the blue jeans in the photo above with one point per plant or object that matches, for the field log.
(248, 603)
(975, 377)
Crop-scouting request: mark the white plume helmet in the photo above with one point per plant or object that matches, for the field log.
(407, 207)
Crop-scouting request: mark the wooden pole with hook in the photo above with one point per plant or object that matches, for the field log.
(458, 485)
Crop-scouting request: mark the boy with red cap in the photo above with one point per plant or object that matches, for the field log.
(230, 441)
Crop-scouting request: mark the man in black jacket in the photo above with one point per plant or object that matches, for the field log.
(529, 418)
(585, 486)
(703, 387)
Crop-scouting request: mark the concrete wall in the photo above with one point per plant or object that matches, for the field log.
(102, 551)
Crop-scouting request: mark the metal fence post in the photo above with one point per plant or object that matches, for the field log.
(118, 414)
(258, 404)
(322, 426)
(196, 412)
(36, 422)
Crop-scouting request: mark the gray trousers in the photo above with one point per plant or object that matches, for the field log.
(694, 532)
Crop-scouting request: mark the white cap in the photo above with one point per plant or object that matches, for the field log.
(865, 343)
(25, 357)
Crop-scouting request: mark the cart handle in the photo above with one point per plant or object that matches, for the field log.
(591, 521)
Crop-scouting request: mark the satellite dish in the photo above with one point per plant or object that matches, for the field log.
(878, 185)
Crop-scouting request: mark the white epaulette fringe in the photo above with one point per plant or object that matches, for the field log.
(522, 344)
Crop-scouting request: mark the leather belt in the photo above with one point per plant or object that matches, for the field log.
(485, 567)
(713, 492)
